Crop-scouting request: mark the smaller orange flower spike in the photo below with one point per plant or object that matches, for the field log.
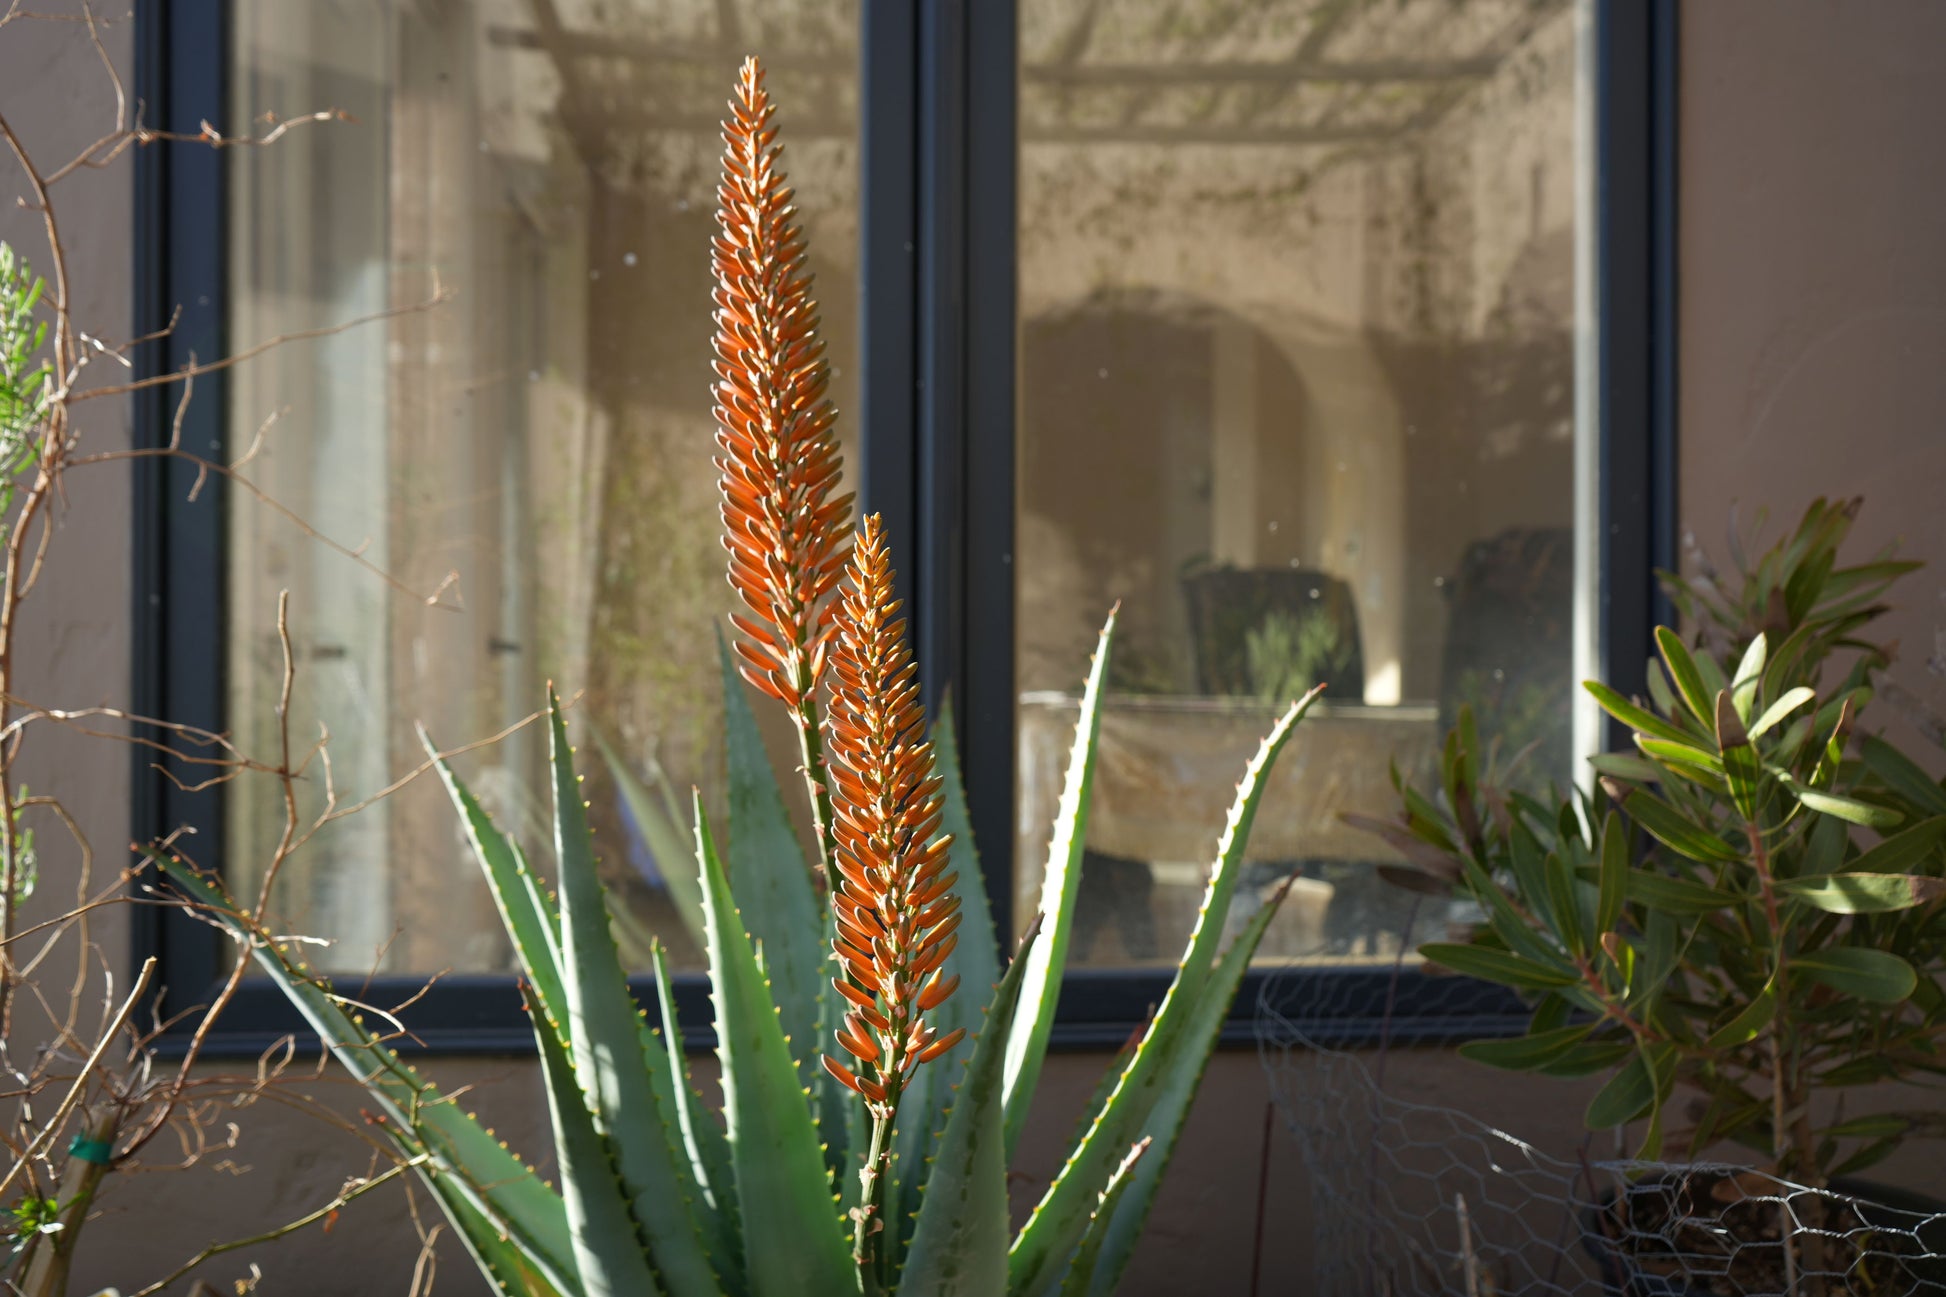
(892, 900)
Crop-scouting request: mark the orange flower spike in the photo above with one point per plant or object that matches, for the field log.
(783, 527)
(892, 884)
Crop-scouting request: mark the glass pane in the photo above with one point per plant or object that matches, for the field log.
(535, 451)
(1297, 293)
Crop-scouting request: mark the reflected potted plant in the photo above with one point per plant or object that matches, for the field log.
(1740, 922)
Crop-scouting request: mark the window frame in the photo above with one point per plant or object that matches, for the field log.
(937, 306)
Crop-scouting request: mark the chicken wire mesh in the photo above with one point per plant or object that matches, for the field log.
(1413, 1199)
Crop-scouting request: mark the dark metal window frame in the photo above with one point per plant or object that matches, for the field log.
(937, 310)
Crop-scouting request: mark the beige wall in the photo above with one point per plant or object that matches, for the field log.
(1813, 246)
(1813, 331)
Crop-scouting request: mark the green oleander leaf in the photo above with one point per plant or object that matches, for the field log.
(1876, 976)
(1850, 893)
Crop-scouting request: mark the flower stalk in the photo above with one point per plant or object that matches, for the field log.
(783, 526)
(893, 902)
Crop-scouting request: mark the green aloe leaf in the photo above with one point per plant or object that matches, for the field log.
(500, 1258)
(959, 1248)
(1170, 1109)
(529, 921)
(770, 878)
(604, 1043)
(784, 1191)
(702, 1137)
(1086, 1265)
(609, 1254)
(1027, 1040)
(464, 1159)
(656, 820)
(1877, 976)
(1062, 1214)
(975, 961)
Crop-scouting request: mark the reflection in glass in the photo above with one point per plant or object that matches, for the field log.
(1297, 300)
(535, 450)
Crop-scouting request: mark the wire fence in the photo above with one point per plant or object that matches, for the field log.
(1411, 1199)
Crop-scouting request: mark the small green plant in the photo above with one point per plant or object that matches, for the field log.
(1286, 654)
(1749, 911)
(23, 373)
(877, 1065)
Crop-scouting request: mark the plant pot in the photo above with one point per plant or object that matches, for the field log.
(1708, 1233)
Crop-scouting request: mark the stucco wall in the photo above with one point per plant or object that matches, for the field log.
(1814, 322)
(1814, 283)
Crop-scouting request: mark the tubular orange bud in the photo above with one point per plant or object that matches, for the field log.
(937, 992)
(940, 1046)
(855, 994)
(892, 903)
(776, 429)
(844, 1075)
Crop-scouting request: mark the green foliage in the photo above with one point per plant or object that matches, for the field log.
(23, 379)
(658, 1195)
(1749, 907)
(28, 1219)
(1284, 655)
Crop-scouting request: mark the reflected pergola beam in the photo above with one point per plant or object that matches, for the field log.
(592, 117)
(565, 45)
(1257, 72)
(1267, 83)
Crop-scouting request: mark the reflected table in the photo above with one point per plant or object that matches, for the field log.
(1166, 770)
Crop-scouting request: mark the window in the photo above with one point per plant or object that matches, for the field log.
(1302, 329)
(1298, 387)
(529, 461)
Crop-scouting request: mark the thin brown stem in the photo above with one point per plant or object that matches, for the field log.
(329, 1209)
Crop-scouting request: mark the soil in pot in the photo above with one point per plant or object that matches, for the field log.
(1715, 1233)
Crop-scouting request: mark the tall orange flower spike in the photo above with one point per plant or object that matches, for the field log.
(782, 525)
(893, 899)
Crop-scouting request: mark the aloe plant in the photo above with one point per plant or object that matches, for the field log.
(877, 1062)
